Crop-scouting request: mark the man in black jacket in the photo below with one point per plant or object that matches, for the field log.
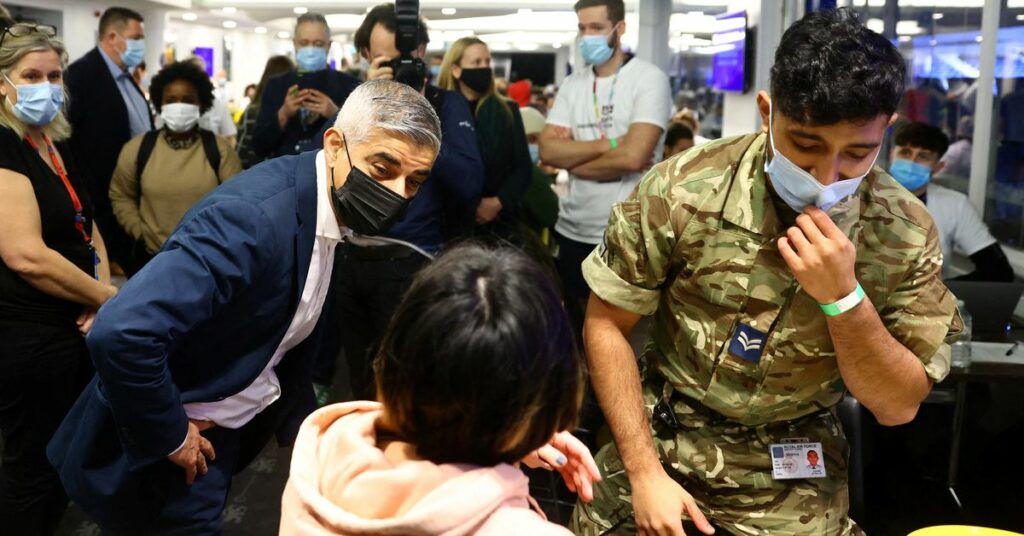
(106, 110)
(296, 105)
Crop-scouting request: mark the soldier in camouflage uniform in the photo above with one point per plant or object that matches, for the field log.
(742, 355)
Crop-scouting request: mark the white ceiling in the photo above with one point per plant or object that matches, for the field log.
(532, 24)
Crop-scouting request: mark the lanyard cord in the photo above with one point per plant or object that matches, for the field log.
(75, 201)
(611, 100)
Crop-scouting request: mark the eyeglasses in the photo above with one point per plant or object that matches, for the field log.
(21, 30)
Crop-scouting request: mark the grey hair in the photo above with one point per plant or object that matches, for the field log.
(312, 17)
(392, 107)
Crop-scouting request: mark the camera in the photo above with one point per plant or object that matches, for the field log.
(407, 69)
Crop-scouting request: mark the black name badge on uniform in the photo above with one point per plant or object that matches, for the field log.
(748, 343)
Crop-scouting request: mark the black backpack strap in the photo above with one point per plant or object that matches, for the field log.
(211, 150)
(145, 149)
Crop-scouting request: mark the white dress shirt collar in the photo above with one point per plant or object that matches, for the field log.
(326, 223)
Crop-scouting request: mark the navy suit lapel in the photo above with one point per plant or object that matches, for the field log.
(118, 106)
(305, 211)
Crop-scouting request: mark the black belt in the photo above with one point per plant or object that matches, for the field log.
(388, 252)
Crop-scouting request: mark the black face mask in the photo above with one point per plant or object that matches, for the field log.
(367, 207)
(478, 79)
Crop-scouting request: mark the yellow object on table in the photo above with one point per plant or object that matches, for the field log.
(961, 530)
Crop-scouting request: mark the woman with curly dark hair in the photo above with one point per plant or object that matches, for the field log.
(162, 173)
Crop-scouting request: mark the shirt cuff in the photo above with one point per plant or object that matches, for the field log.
(937, 368)
(607, 285)
(181, 446)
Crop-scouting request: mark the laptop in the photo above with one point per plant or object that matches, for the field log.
(990, 305)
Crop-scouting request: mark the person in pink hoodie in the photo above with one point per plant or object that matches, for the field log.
(478, 371)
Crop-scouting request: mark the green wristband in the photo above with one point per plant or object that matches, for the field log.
(844, 304)
(614, 143)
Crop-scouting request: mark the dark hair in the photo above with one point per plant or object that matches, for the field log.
(616, 8)
(384, 14)
(315, 18)
(479, 364)
(276, 65)
(117, 16)
(182, 70)
(829, 68)
(922, 136)
(677, 131)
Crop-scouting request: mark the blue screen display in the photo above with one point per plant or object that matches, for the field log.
(730, 44)
(957, 55)
(206, 53)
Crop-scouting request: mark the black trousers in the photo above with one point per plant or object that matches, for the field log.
(369, 283)
(571, 255)
(42, 371)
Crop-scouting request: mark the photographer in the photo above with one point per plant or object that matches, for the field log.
(296, 106)
(377, 274)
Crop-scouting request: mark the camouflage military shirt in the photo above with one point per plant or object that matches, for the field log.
(695, 244)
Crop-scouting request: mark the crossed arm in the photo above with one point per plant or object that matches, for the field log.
(596, 160)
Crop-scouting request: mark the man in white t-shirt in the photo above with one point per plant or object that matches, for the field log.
(916, 156)
(605, 129)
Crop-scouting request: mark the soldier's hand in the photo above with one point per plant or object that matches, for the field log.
(820, 256)
(659, 503)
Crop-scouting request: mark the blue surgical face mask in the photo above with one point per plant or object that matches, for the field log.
(534, 153)
(435, 70)
(911, 175)
(38, 103)
(311, 59)
(595, 48)
(798, 188)
(134, 52)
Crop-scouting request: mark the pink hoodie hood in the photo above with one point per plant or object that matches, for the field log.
(342, 483)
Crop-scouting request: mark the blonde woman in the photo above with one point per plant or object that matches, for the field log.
(53, 275)
(499, 131)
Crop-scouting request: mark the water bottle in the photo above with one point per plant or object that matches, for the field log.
(962, 347)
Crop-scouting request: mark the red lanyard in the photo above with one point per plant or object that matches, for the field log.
(75, 201)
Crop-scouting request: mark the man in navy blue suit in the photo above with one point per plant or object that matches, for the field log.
(208, 351)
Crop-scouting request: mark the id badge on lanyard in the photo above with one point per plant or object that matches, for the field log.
(80, 220)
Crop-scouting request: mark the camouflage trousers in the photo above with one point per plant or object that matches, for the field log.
(728, 470)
